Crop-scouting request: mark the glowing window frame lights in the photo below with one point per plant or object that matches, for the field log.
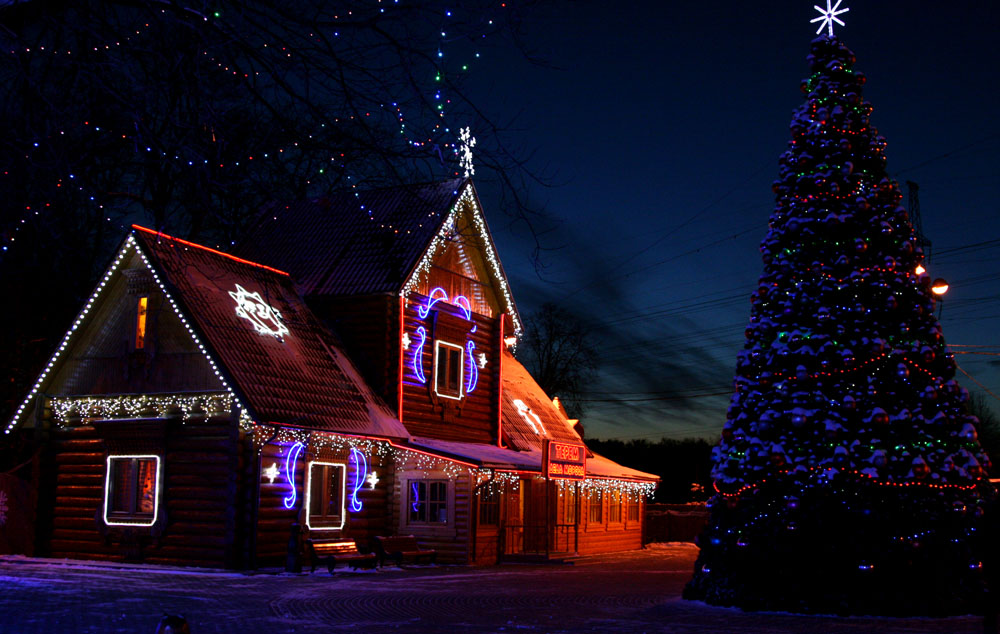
(131, 243)
(360, 476)
(156, 496)
(438, 344)
(467, 199)
(291, 458)
(343, 495)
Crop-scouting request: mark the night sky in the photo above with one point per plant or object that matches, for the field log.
(660, 125)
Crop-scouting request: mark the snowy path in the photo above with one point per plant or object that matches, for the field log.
(626, 592)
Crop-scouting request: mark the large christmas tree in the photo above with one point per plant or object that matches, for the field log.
(849, 476)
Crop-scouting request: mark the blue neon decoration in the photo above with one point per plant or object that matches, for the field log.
(437, 294)
(473, 379)
(463, 302)
(418, 355)
(290, 460)
(416, 497)
(360, 473)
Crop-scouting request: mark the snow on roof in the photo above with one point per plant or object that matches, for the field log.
(529, 415)
(289, 368)
(601, 467)
(354, 243)
(489, 456)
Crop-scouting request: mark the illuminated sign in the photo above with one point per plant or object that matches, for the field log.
(566, 461)
(266, 319)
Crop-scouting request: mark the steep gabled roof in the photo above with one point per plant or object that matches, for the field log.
(357, 243)
(528, 414)
(370, 242)
(276, 357)
(300, 377)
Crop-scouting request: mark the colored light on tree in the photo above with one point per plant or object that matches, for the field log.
(848, 477)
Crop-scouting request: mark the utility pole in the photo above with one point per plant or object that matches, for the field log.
(914, 209)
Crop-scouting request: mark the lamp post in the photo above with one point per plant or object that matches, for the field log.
(939, 287)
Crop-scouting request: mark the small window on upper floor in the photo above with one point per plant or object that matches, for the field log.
(140, 323)
(448, 369)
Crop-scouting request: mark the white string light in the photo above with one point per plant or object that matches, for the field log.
(467, 200)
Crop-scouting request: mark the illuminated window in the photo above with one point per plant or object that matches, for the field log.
(140, 323)
(428, 501)
(614, 506)
(131, 494)
(489, 506)
(567, 501)
(595, 504)
(633, 509)
(325, 488)
(448, 369)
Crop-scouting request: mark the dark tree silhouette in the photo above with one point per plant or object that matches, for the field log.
(558, 352)
(190, 116)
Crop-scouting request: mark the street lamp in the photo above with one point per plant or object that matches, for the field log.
(939, 287)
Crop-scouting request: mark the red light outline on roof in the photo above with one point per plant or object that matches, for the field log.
(160, 234)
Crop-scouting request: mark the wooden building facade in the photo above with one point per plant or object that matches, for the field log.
(209, 410)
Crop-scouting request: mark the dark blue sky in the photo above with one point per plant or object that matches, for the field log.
(661, 125)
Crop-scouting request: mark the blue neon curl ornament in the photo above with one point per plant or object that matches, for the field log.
(473, 379)
(290, 460)
(437, 294)
(416, 497)
(418, 355)
(463, 302)
(360, 473)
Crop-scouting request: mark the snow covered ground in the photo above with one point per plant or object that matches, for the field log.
(636, 591)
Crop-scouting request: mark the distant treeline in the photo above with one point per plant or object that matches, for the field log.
(683, 465)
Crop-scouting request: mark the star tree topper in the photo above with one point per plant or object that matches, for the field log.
(465, 151)
(828, 16)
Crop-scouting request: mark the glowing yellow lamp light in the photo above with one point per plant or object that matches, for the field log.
(939, 287)
(920, 270)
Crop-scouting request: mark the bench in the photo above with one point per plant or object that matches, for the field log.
(334, 551)
(402, 548)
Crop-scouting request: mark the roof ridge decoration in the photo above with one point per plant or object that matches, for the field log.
(131, 243)
(466, 199)
(162, 236)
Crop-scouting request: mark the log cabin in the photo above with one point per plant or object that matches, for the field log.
(346, 374)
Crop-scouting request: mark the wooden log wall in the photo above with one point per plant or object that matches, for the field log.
(368, 327)
(452, 541)
(474, 418)
(275, 523)
(606, 536)
(199, 498)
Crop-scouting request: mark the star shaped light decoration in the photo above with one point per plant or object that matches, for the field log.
(465, 151)
(828, 16)
(372, 479)
(271, 472)
(266, 319)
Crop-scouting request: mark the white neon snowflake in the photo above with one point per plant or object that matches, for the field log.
(465, 151)
(266, 319)
(3, 508)
(828, 16)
